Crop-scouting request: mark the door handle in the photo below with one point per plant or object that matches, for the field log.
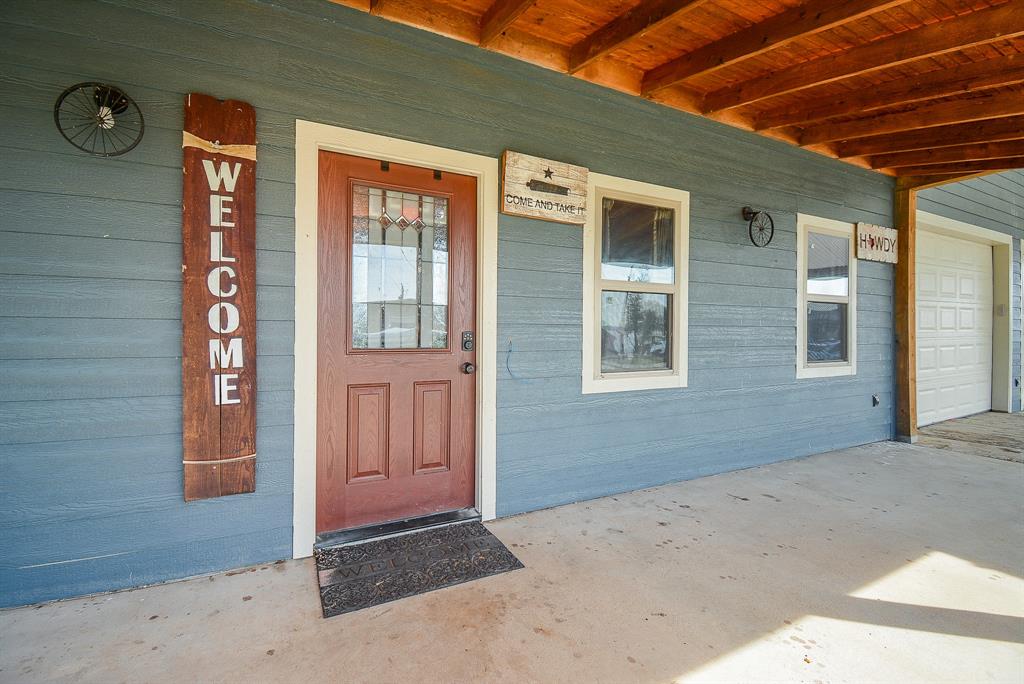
(468, 368)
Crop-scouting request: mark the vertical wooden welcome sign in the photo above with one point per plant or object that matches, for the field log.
(218, 310)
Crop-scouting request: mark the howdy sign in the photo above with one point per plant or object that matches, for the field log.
(543, 189)
(876, 243)
(218, 312)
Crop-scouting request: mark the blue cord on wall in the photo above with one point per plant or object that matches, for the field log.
(508, 357)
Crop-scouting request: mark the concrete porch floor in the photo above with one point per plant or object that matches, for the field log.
(887, 562)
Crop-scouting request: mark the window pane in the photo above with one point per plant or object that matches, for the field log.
(828, 265)
(399, 269)
(636, 242)
(826, 332)
(634, 331)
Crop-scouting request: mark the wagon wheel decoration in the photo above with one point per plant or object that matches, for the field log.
(99, 119)
(761, 228)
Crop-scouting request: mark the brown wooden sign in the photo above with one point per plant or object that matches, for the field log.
(218, 312)
(543, 189)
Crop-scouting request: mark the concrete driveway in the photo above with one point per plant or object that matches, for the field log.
(887, 562)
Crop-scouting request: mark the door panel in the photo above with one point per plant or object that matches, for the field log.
(396, 431)
(431, 420)
(954, 327)
(368, 432)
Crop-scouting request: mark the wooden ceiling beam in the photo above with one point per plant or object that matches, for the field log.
(976, 28)
(499, 16)
(958, 80)
(805, 20)
(963, 167)
(992, 130)
(991, 105)
(925, 182)
(642, 19)
(946, 155)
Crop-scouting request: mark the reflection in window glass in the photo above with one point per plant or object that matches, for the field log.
(828, 265)
(634, 331)
(399, 269)
(636, 242)
(826, 332)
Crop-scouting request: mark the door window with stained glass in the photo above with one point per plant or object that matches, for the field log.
(399, 269)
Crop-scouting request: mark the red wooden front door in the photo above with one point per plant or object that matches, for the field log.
(396, 393)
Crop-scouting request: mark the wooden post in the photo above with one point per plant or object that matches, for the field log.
(905, 306)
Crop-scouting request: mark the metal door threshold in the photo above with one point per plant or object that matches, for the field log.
(396, 527)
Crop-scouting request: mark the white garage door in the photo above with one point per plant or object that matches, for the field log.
(954, 327)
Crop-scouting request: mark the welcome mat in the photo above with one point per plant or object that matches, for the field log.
(370, 573)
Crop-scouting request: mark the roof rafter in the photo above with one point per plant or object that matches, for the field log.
(805, 20)
(500, 16)
(645, 17)
(925, 182)
(993, 130)
(976, 28)
(947, 155)
(958, 80)
(991, 105)
(964, 167)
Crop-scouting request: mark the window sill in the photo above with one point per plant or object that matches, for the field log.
(633, 383)
(826, 371)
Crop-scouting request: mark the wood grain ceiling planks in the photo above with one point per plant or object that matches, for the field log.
(801, 21)
(988, 105)
(933, 39)
(861, 80)
(958, 80)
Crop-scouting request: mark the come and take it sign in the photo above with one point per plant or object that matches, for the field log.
(543, 189)
(876, 243)
(218, 311)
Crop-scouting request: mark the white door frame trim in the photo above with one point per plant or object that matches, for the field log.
(1002, 296)
(310, 138)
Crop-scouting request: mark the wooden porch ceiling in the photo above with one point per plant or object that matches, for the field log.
(929, 89)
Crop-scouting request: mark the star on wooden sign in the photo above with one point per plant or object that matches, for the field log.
(548, 173)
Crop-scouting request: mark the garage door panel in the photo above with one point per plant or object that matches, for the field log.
(947, 285)
(966, 323)
(927, 317)
(927, 283)
(947, 318)
(927, 361)
(954, 335)
(947, 358)
(968, 356)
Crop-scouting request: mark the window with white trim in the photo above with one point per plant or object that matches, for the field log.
(635, 277)
(826, 298)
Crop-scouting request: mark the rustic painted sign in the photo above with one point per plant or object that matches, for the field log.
(543, 189)
(876, 243)
(218, 312)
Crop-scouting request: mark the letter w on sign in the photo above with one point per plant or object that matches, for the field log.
(218, 309)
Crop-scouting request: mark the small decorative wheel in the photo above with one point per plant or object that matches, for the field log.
(99, 119)
(762, 227)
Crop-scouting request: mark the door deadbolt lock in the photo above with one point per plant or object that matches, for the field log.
(467, 340)
(468, 368)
